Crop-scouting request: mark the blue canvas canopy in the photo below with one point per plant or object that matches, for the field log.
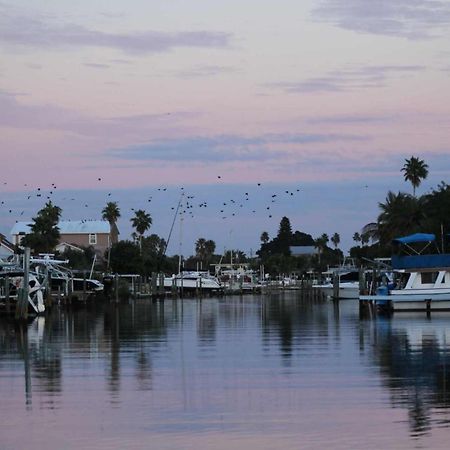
(418, 237)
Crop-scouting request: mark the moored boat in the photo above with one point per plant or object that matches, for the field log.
(347, 275)
(192, 280)
(422, 281)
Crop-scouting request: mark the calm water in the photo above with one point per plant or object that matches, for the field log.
(279, 372)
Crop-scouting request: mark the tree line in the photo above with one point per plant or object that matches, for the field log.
(400, 214)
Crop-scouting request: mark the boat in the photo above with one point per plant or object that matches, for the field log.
(192, 280)
(237, 277)
(347, 275)
(12, 280)
(61, 279)
(421, 281)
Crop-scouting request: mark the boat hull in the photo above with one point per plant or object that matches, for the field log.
(418, 301)
(345, 292)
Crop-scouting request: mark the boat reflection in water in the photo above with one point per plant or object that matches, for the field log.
(413, 354)
(251, 372)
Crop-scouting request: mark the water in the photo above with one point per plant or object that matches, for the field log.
(225, 373)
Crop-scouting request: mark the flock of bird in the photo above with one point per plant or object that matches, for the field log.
(184, 203)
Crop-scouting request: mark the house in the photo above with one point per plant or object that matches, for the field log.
(79, 233)
(303, 250)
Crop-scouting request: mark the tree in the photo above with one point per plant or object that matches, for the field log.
(79, 259)
(204, 249)
(415, 170)
(44, 234)
(357, 237)
(336, 239)
(401, 214)
(285, 230)
(264, 237)
(321, 243)
(141, 222)
(126, 258)
(153, 248)
(111, 213)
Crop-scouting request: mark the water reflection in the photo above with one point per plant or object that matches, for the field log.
(413, 354)
(268, 368)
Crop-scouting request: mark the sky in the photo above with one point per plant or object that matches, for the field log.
(232, 103)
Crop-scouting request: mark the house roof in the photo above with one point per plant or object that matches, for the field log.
(68, 227)
(298, 250)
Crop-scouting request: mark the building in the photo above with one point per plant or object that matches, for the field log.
(79, 233)
(303, 250)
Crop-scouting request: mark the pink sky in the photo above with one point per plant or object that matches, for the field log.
(145, 94)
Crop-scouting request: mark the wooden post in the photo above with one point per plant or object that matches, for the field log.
(335, 286)
(174, 288)
(116, 287)
(84, 286)
(362, 281)
(154, 289)
(374, 281)
(161, 289)
(22, 294)
(8, 304)
(48, 290)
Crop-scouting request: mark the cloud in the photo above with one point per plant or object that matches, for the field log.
(97, 65)
(15, 114)
(348, 80)
(33, 32)
(225, 148)
(412, 19)
(205, 71)
(352, 119)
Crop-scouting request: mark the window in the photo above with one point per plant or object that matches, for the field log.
(429, 277)
(92, 239)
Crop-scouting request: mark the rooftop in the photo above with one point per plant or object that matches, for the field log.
(68, 227)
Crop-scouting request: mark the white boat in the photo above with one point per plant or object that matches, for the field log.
(237, 277)
(348, 279)
(191, 280)
(422, 280)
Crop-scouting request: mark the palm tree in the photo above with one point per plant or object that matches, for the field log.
(401, 214)
(336, 239)
(357, 237)
(141, 222)
(320, 243)
(415, 170)
(111, 213)
(264, 237)
(204, 249)
(200, 248)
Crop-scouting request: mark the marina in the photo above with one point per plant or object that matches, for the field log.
(246, 372)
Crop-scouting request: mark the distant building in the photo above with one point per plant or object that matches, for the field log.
(76, 233)
(303, 250)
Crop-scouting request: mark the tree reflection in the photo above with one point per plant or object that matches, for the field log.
(414, 361)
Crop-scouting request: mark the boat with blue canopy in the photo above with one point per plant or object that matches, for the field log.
(422, 280)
